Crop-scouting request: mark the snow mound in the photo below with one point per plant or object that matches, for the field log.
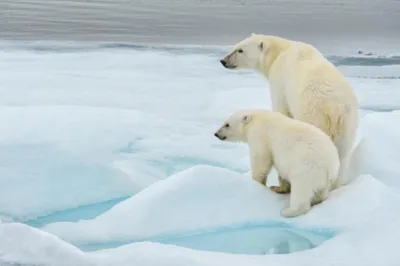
(184, 203)
(20, 243)
(364, 215)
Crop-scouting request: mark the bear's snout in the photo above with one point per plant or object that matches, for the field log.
(223, 62)
(220, 137)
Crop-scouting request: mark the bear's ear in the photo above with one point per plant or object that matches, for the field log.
(261, 46)
(246, 119)
(253, 34)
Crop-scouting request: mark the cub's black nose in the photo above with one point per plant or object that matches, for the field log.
(216, 135)
(223, 62)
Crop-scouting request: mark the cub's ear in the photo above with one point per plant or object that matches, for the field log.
(246, 119)
(261, 46)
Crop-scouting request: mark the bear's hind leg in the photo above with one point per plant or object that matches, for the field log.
(284, 186)
(300, 199)
(320, 196)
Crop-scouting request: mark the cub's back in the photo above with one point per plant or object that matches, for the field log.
(291, 137)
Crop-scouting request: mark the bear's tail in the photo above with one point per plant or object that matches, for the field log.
(350, 167)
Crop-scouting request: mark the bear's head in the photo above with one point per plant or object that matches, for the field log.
(245, 54)
(233, 129)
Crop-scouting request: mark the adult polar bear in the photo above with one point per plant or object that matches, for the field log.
(304, 85)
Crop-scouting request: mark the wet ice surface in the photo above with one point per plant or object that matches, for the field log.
(259, 239)
(254, 241)
(88, 133)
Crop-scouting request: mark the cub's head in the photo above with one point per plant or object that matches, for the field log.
(233, 129)
(245, 54)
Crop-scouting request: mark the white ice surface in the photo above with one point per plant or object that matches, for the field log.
(106, 125)
(20, 243)
(185, 202)
(365, 214)
(381, 147)
(82, 128)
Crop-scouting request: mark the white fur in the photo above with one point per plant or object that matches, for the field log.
(303, 155)
(304, 85)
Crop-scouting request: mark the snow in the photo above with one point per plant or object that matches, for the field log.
(203, 191)
(377, 94)
(115, 163)
(381, 149)
(84, 132)
(23, 244)
(365, 215)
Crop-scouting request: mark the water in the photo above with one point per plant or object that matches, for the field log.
(73, 215)
(358, 23)
(261, 239)
(253, 241)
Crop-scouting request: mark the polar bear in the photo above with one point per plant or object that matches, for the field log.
(305, 86)
(304, 156)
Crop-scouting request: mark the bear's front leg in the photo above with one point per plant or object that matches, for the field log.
(283, 188)
(261, 164)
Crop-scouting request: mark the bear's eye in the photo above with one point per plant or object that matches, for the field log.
(240, 51)
(226, 125)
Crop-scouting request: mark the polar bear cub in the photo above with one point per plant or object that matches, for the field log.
(305, 86)
(303, 155)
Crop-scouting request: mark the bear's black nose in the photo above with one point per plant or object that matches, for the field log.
(223, 62)
(216, 134)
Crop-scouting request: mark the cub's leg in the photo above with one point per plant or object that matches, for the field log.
(320, 196)
(300, 199)
(308, 188)
(261, 164)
